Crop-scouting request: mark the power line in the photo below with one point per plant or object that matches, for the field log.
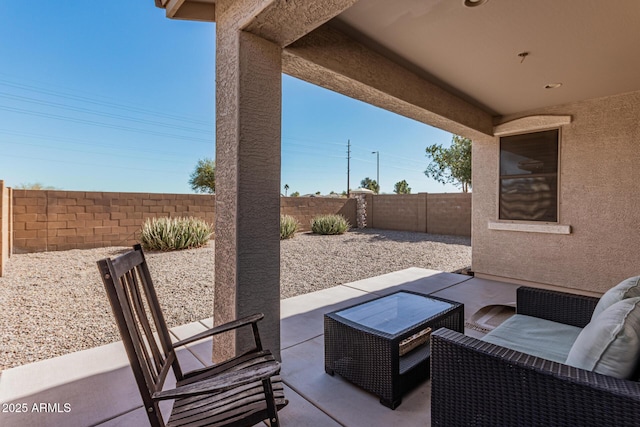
(403, 159)
(315, 141)
(104, 165)
(314, 154)
(118, 106)
(311, 147)
(100, 113)
(317, 145)
(94, 123)
(101, 153)
(305, 149)
(364, 160)
(85, 99)
(85, 142)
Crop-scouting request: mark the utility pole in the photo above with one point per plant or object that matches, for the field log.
(348, 164)
(377, 153)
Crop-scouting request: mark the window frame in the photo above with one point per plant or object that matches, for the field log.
(558, 179)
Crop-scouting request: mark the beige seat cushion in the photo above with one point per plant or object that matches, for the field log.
(534, 336)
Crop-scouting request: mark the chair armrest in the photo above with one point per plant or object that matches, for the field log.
(222, 382)
(562, 307)
(235, 324)
(477, 383)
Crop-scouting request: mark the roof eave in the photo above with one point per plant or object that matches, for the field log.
(192, 10)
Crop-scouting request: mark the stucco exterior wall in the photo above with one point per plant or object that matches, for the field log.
(598, 199)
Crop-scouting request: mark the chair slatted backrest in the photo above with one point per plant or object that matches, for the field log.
(142, 326)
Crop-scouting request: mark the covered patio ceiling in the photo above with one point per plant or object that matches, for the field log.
(589, 46)
(498, 55)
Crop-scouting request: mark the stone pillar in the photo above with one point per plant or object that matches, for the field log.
(361, 209)
(247, 249)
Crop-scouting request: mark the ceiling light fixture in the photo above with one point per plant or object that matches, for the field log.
(552, 85)
(522, 56)
(474, 3)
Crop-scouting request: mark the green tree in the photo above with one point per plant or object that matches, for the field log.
(286, 188)
(451, 164)
(295, 194)
(34, 186)
(402, 187)
(203, 178)
(370, 184)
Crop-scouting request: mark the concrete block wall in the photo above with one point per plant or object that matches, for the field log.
(407, 212)
(305, 208)
(59, 220)
(449, 214)
(48, 220)
(428, 213)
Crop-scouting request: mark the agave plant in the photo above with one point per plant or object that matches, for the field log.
(329, 224)
(288, 226)
(170, 234)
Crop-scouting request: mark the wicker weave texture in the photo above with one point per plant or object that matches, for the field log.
(474, 383)
(570, 309)
(371, 360)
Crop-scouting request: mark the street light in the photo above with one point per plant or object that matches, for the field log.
(377, 153)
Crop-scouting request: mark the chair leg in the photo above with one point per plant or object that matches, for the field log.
(272, 410)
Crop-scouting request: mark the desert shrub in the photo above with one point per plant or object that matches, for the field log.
(288, 226)
(170, 234)
(329, 224)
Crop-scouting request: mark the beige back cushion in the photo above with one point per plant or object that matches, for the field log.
(628, 288)
(610, 344)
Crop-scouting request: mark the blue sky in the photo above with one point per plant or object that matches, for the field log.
(113, 96)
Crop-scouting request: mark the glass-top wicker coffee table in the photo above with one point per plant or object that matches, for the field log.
(383, 345)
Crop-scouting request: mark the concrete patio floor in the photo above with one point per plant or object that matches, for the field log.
(95, 387)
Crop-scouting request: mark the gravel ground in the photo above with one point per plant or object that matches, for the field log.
(53, 303)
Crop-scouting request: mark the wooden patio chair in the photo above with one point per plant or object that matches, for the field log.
(241, 391)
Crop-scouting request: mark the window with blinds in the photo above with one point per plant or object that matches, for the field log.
(529, 176)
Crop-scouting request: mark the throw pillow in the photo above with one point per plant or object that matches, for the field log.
(628, 288)
(610, 345)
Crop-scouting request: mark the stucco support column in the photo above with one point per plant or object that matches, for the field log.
(247, 243)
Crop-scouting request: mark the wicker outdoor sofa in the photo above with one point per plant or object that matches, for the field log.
(476, 383)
